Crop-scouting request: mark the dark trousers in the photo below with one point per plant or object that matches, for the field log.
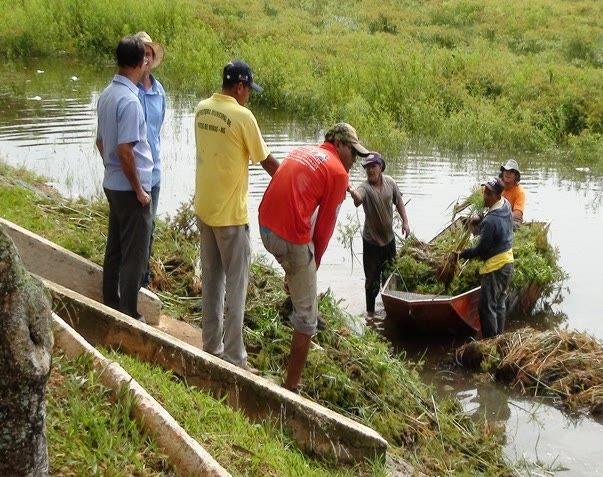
(127, 251)
(374, 259)
(492, 301)
(146, 278)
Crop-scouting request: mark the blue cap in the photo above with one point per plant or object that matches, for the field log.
(495, 185)
(373, 157)
(239, 71)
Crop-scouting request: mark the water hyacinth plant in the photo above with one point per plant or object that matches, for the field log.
(563, 364)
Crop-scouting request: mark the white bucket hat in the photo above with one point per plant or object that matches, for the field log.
(511, 165)
(158, 50)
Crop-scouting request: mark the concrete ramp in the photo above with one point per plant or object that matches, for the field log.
(316, 429)
(185, 454)
(52, 262)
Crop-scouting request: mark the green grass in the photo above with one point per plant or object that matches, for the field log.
(463, 75)
(89, 432)
(355, 375)
(241, 446)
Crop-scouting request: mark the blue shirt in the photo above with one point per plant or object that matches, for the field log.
(153, 105)
(121, 121)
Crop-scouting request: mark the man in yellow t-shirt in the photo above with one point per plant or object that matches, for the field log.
(227, 137)
(514, 193)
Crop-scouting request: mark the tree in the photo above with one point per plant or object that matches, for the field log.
(25, 355)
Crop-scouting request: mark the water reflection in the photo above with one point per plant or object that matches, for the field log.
(53, 135)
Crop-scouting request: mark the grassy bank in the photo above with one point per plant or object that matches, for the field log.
(464, 75)
(354, 375)
(89, 432)
(241, 446)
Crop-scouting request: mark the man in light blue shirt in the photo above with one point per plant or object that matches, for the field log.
(122, 142)
(152, 98)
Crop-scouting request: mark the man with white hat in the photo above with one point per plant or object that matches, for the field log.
(153, 100)
(514, 193)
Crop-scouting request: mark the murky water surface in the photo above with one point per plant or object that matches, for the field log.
(47, 124)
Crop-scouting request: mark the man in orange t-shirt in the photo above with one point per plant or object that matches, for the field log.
(514, 193)
(297, 218)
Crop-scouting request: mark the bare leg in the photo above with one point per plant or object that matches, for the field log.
(300, 345)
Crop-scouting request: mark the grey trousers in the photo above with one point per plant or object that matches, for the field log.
(493, 298)
(300, 274)
(225, 261)
(126, 252)
(146, 278)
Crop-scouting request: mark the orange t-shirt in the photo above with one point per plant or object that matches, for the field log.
(516, 197)
(302, 200)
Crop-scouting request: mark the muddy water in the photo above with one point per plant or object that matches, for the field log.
(47, 124)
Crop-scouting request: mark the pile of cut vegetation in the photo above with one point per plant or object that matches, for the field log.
(433, 267)
(566, 365)
(360, 377)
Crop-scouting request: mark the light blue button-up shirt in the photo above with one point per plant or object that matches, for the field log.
(121, 121)
(153, 104)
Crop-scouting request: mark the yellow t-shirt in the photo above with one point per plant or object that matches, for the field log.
(227, 138)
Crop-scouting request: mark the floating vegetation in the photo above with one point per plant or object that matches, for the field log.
(566, 365)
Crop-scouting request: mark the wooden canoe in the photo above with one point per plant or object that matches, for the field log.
(443, 314)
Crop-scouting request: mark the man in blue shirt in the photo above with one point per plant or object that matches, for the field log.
(152, 98)
(122, 142)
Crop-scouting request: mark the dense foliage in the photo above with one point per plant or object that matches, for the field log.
(459, 74)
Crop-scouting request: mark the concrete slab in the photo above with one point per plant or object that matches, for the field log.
(183, 331)
(57, 264)
(316, 429)
(185, 454)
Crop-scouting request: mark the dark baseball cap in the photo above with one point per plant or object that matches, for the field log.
(495, 185)
(238, 70)
(373, 158)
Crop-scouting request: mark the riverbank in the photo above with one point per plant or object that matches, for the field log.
(357, 376)
(464, 76)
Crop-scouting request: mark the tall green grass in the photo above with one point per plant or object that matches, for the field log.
(464, 75)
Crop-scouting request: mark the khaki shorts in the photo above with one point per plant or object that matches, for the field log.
(300, 273)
